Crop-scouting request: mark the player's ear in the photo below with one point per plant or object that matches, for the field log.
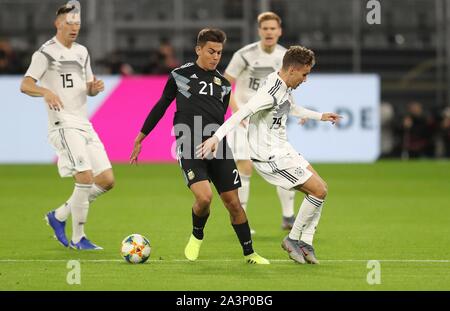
(198, 49)
(57, 22)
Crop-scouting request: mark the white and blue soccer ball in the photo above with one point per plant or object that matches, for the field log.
(135, 248)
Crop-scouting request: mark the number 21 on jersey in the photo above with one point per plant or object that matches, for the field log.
(205, 88)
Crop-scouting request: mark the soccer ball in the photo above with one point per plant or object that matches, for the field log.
(135, 248)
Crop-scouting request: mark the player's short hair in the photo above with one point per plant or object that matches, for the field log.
(298, 55)
(268, 16)
(64, 9)
(211, 34)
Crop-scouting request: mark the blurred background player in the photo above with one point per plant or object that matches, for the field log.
(63, 69)
(273, 156)
(248, 67)
(202, 97)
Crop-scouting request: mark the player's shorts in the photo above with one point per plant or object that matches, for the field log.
(237, 140)
(286, 172)
(78, 151)
(221, 172)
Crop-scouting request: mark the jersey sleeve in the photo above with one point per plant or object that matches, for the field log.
(168, 95)
(260, 101)
(88, 70)
(38, 66)
(301, 112)
(236, 65)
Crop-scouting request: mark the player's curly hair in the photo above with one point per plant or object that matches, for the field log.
(298, 55)
(211, 34)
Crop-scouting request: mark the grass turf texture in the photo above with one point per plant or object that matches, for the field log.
(395, 212)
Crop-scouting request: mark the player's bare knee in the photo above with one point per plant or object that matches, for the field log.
(109, 184)
(85, 177)
(105, 180)
(244, 167)
(204, 200)
(321, 191)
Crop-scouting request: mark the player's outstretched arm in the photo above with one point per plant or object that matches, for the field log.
(30, 88)
(210, 145)
(331, 116)
(137, 148)
(154, 116)
(304, 114)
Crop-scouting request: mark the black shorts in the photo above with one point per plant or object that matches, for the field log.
(223, 173)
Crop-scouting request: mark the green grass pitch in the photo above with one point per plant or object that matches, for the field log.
(394, 212)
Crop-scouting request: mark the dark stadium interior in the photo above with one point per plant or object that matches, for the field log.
(408, 49)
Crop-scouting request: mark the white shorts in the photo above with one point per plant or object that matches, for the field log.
(238, 143)
(287, 172)
(78, 151)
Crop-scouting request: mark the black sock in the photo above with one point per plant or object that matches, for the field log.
(243, 233)
(198, 223)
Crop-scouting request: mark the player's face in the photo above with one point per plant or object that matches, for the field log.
(68, 31)
(269, 32)
(209, 55)
(298, 75)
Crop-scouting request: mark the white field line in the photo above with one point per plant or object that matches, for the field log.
(228, 260)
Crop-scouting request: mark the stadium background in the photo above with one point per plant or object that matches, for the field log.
(393, 208)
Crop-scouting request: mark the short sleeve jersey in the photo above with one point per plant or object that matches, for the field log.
(250, 66)
(65, 72)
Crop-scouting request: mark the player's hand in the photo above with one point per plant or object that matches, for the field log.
(330, 116)
(136, 150)
(97, 86)
(53, 101)
(208, 146)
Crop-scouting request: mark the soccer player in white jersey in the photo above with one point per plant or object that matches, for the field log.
(273, 157)
(248, 68)
(65, 77)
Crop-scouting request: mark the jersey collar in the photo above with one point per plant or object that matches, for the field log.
(283, 86)
(262, 50)
(60, 44)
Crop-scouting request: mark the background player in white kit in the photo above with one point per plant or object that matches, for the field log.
(248, 68)
(274, 158)
(63, 68)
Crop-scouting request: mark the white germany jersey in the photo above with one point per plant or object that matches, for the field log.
(250, 66)
(65, 72)
(267, 127)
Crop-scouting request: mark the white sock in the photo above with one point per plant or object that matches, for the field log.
(310, 230)
(95, 192)
(63, 212)
(79, 208)
(287, 201)
(244, 191)
(305, 216)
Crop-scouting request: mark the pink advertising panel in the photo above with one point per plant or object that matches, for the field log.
(121, 115)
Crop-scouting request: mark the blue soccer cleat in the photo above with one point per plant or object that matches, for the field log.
(84, 244)
(58, 227)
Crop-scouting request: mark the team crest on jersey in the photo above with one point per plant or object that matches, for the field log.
(80, 161)
(217, 81)
(190, 175)
(299, 172)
